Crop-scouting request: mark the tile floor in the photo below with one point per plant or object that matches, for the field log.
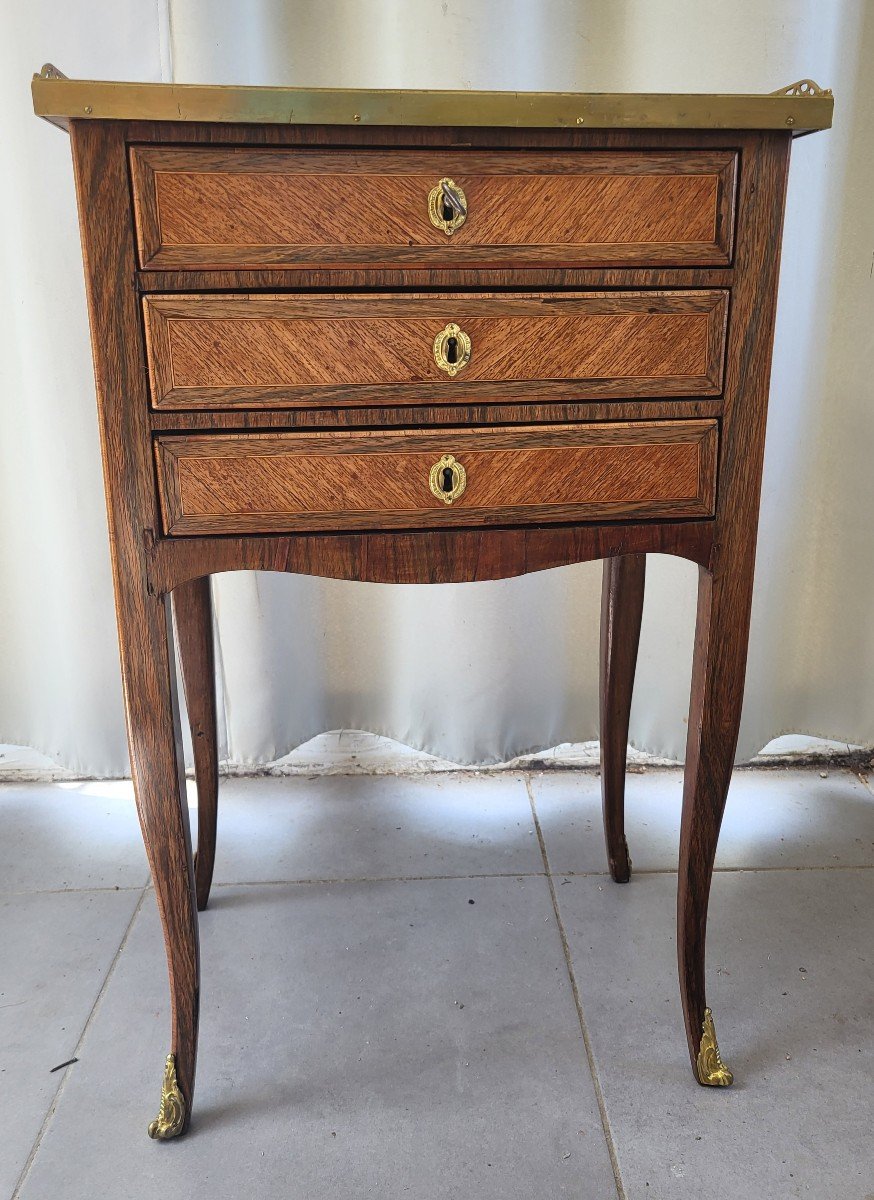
(423, 987)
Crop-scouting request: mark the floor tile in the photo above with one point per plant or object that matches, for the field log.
(777, 818)
(792, 988)
(359, 827)
(366, 1039)
(55, 951)
(64, 836)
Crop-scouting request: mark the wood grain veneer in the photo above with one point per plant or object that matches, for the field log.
(273, 482)
(444, 277)
(280, 351)
(244, 208)
(424, 416)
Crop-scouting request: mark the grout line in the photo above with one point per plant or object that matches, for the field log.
(232, 883)
(724, 870)
(302, 882)
(22, 1179)
(587, 1041)
(65, 891)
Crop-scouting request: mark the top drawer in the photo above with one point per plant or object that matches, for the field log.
(242, 208)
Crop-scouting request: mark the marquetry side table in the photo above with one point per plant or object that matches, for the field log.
(415, 337)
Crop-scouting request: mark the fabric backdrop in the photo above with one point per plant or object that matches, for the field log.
(300, 655)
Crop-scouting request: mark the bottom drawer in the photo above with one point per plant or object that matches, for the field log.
(287, 482)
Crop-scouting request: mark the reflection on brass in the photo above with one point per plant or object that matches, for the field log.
(60, 99)
(447, 194)
(457, 477)
(171, 1115)
(443, 351)
(804, 87)
(712, 1071)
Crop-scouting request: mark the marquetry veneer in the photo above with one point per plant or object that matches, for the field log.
(242, 207)
(415, 339)
(272, 482)
(282, 351)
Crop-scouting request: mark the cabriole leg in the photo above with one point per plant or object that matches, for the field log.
(621, 613)
(721, 637)
(192, 609)
(159, 785)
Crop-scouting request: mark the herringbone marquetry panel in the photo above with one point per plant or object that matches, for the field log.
(244, 208)
(278, 482)
(281, 351)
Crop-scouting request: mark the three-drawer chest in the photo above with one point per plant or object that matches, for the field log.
(415, 337)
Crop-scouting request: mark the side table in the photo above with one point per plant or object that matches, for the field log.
(415, 337)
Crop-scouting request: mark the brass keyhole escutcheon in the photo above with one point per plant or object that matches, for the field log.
(452, 348)
(447, 479)
(447, 206)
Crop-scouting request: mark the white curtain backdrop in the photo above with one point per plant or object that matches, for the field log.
(300, 655)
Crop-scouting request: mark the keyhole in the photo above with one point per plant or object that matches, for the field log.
(452, 350)
(448, 212)
(448, 482)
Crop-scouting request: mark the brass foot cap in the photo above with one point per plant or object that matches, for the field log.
(170, 1120)
(712, 1071)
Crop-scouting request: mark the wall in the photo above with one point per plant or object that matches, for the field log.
(302, 655)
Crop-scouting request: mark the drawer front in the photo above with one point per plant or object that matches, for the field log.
(275, 483)
(293, 351)
(242, 208)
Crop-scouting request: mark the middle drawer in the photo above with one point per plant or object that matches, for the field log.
(290, 351)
